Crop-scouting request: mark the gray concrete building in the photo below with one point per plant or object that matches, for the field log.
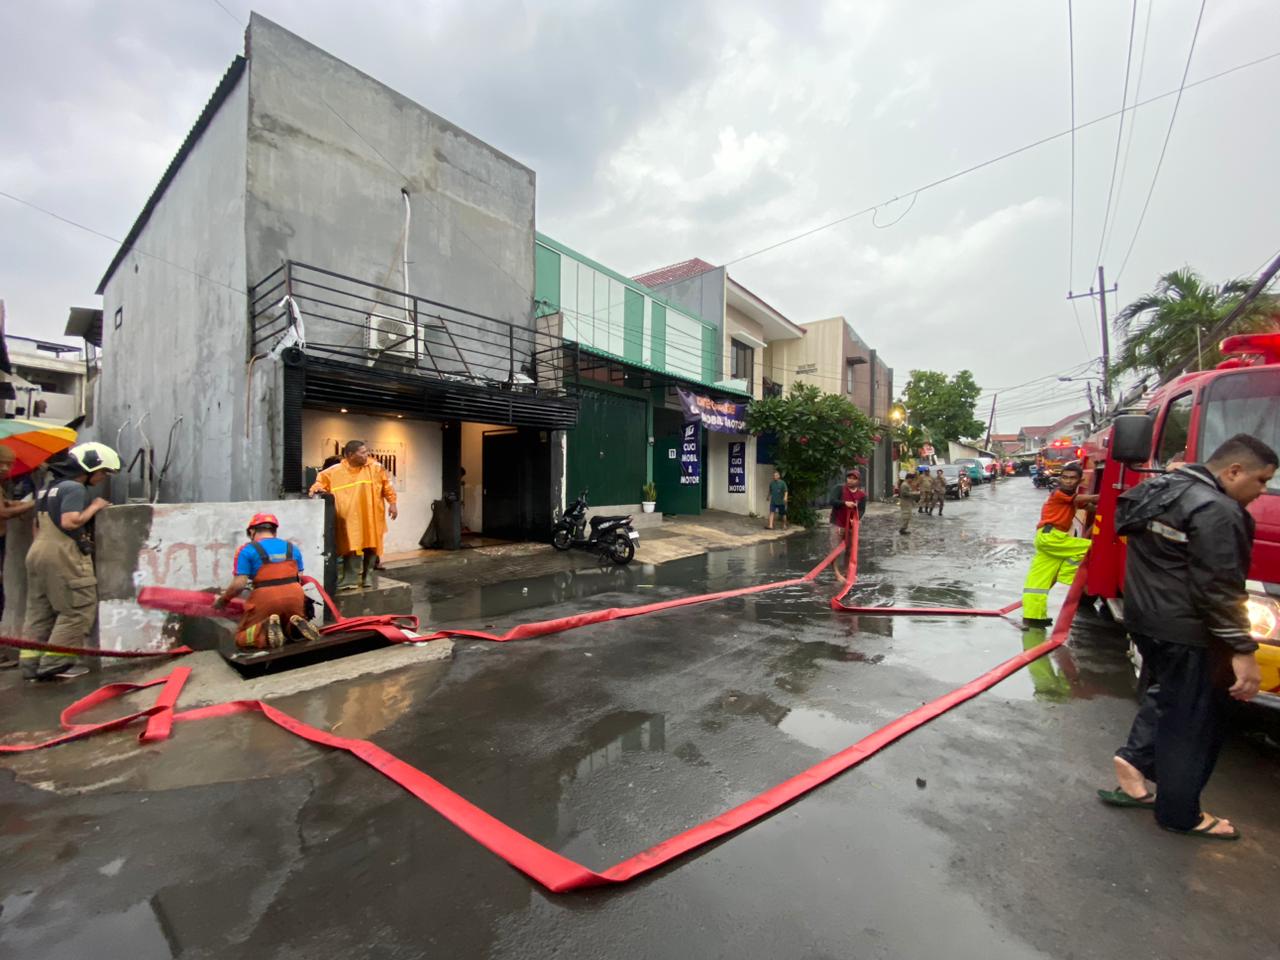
(325, 259)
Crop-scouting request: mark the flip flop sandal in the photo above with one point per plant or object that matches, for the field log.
(1203, 831)
(1118, 798)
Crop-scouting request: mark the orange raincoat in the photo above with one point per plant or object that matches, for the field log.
(359, 498)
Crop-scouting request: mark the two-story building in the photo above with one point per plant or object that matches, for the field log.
(46, 380)
(835, 359)
(641, 360)
(326, 260)
(745, 324)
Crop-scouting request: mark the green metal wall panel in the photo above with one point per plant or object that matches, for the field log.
(546, 279)
(658, 335)
(633, 326)
(711, 355)
(609, 449)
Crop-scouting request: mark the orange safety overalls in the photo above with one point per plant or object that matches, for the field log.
(277, 589)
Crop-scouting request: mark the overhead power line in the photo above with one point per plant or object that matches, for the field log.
(974, 168)
(1165, 146)
(1133, 121)
(1115, 161)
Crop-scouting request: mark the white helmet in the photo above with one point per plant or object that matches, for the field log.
(92, 457)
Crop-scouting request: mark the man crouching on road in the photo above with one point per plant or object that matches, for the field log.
(276, 608)
(1190, 543)
(1058, 554)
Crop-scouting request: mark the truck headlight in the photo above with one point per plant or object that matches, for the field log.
(1264, 617)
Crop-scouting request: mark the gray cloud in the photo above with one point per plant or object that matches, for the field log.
(666, 130)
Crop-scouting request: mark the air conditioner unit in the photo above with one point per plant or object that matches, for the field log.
(388, 337)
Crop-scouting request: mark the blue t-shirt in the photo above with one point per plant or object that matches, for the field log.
(248, 561)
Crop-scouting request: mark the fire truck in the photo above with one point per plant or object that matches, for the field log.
(1056, 454)
(1183, 422)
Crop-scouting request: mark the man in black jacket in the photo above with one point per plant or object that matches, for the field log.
(1190, 541)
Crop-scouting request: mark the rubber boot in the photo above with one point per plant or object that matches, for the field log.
(369, 572)
(348, 573)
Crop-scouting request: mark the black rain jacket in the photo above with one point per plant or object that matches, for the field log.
(1188, 560)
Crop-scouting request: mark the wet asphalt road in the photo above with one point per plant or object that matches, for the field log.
(976, 836)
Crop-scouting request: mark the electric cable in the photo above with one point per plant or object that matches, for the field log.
(1165, 147)
(1115, 161)
(1133, 121)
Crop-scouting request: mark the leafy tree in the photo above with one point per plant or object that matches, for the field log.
(818, 435)
(942, 406)
(1158, 331)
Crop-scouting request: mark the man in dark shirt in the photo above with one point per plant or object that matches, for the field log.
(1190, 545)
(848, 502)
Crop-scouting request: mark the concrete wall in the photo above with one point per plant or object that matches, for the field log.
(187, 547)
(417, 447)
(181, 345)
(319, 194)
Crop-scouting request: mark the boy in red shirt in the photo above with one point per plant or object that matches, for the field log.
(1058, 554)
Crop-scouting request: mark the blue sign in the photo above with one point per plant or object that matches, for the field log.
(738, 467)
(690, 457)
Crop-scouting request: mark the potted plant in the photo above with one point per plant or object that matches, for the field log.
(648, 497)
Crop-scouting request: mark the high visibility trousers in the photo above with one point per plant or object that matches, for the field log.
(1057, 559)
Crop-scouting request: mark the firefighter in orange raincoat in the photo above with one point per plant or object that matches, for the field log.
(360, 488)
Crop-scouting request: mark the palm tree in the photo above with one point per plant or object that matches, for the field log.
(1160, 331)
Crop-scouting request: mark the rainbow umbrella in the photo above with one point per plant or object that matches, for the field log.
(33, 443)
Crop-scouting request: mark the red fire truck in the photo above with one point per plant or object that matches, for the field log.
(1184, 421)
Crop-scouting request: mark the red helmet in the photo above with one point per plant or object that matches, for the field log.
(262, 520)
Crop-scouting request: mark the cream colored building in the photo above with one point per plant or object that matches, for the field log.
(748, 326)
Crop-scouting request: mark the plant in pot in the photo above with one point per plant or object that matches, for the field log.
(648, 497)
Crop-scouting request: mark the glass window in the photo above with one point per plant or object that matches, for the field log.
(742, 361)
(1173, 435)
(1244, 402)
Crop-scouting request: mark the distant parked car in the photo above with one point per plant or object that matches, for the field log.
(989, 469)
(957, 477)
(973, 468)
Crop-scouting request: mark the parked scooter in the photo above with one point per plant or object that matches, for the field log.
(611, 537)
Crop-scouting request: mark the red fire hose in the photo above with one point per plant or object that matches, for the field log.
(555, 872)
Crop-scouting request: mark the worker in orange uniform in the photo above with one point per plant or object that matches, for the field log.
(1058, 554)
(276, 608)
(360, 489)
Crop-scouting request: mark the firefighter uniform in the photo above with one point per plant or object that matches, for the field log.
(939, 490)
(275, 610)
(908, 494)
(1058, 555)
(62, 588)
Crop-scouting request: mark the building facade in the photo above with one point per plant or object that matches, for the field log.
(638, 357)
(736, 479)
(835, 359)
(325, 260)
(46, 381)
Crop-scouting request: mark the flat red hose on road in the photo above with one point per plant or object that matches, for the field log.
(555, 872)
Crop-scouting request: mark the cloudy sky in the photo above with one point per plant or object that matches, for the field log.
(667, 130)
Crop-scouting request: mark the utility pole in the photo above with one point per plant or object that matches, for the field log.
(1101, 294)
(986, 444)
(1093, 415)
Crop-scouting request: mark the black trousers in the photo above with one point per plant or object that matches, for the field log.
(1179, 729)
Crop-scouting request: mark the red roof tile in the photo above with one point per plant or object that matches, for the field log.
(676, 271)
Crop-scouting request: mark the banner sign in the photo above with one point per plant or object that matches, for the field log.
(722, 417)
(690, 461)
(738, 467)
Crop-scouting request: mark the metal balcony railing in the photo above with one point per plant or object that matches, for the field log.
(353, 322)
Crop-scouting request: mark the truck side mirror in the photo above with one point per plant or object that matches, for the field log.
(1131, 438)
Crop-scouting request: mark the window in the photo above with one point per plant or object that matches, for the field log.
(742, 358)
(1173, 435)
(848, 379)
(119, 316)
(1242, 403)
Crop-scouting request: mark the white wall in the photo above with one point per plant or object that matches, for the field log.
(717, 478)
(473, 463)
(420, 479)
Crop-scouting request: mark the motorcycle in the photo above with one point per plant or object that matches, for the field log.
(1045, 480)
(611, 537)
